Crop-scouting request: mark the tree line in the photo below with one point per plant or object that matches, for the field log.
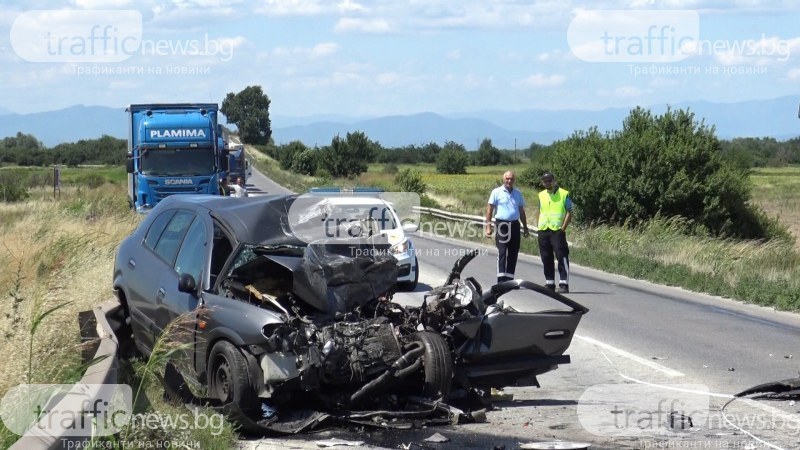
(27, 150)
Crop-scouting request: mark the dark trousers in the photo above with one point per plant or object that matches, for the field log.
(507, 240)
(554, 241)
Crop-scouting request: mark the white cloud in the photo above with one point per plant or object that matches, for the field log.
(623, 92)
(348, 6)
(369, 26)
(291, 7)
(102, 4)
(323, 49)
(320, 50)
(539, 80)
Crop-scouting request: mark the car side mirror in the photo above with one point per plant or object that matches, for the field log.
(186, 283)
(410, 228)
(129, 165)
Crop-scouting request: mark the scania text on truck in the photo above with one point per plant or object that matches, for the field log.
(172, 149)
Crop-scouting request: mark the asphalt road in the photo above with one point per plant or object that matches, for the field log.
(636, 336)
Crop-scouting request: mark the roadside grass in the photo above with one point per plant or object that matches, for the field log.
(272, 170)
(56, 252)
(90, 176)
(60, 251)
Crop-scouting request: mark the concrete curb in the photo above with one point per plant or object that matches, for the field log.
(102, 372)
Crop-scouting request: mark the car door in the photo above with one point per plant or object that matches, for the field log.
(177, 311)
(164, 284)
(141, 266)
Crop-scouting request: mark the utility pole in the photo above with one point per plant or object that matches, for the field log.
(515, 150)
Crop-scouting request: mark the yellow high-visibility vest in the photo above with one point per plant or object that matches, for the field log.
(552, 209)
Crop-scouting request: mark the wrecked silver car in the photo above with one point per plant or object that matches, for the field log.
(288, 333)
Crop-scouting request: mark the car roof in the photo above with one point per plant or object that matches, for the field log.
(256, 220)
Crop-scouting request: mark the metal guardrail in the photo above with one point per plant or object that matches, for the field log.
(442, 214)
(103, 372)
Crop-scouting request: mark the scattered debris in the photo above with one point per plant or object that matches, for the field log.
(499, 395)
(678, 421)
(479, 416)
(556, 445)
(787, 356)
(411, 445)
(336, 441)
(437, 438)
(731, 369)
(786, 388)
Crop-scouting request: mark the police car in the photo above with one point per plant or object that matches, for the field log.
(371, 205)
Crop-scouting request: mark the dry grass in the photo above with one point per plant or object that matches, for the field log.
(61, 251)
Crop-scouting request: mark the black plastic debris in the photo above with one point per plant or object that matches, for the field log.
(680, 422)
(789, 388)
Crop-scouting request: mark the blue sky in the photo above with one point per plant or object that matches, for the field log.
(370, 58)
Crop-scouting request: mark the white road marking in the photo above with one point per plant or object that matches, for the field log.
(655, 366)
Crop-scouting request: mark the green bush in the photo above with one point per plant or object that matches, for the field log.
(285, 154)
(427, 202)
(12, 189)
(531, 177)
(305, 162)
(487, 154)
(410, 181)
(453, 159)
(390, 169)
(348, 157)
(667, 165)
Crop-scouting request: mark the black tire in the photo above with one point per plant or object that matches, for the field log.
(411, 285)
(438, 365)
(228, 380)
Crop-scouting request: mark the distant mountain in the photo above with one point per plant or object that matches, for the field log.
(776, 118)
(4, 111)
(281, 121)
(420, 129)
(67, 125)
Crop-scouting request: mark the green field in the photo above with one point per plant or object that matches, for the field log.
(777, 191)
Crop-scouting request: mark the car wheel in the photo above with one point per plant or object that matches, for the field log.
(228, 380)
(411, 285)
(438, 365)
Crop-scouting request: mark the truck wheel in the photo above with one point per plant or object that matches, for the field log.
(228, 380)
(438, 365)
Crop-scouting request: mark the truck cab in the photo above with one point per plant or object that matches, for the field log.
(172, 149)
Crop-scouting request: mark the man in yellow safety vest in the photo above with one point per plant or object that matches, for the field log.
(555, 214)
